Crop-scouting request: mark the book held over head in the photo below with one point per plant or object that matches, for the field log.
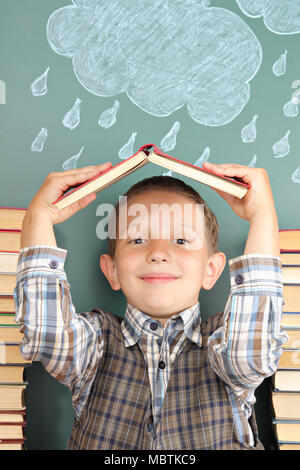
(146, 154)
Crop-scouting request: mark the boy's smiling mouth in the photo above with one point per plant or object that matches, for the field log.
(158, 278)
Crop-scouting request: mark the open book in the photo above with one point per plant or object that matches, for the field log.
(146, 154)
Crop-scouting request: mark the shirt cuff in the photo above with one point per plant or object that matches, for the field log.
(41, 260)
(256, 273)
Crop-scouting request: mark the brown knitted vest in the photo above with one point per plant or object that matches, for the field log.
(196, 413)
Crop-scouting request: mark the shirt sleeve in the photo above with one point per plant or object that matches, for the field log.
(69, 345)
(247, 348)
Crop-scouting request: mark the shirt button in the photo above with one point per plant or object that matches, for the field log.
(239, 279)
(150, 427)
(53, 264)
(153, 326)
(162, 364)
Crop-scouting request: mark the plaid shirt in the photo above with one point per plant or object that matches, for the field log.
(242, 352)
(161, 345)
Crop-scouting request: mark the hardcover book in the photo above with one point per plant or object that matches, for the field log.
(289, 240)
(146, 154)
(11, 217)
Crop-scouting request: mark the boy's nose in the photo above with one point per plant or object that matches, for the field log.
(158, 251)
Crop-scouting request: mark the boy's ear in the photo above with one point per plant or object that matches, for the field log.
(214, 268)
(109, 269)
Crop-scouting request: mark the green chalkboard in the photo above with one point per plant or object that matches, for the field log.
(201, 71)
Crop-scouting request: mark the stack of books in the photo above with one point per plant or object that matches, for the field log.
(286, 381)
(12, 364)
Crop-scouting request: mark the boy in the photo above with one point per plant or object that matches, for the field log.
(158, 379)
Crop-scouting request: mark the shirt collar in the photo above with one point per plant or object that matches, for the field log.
(135, 323)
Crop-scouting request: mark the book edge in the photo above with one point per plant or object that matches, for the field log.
(231, 180)
(72, 191)
(232, 187)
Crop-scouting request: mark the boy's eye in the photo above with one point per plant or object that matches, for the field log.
(137, 241)
(140, 241)
(181, 241)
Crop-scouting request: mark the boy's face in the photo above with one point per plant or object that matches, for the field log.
(162, 262)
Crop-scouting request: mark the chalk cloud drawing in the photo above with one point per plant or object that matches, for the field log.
(290, 109)
(163, 54)
(169, 141)
(108, 117)
(71, 163)
(282, 147)
(38, 143)
(127, 150)
(72, 117)
(296, 175)
(248, 133)
(280, 16)
(279, 67)
(39, 86)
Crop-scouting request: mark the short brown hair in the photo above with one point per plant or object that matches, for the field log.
(168, 183)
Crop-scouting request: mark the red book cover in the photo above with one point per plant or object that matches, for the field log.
(12, 441)
(9, 423)
(10, 230)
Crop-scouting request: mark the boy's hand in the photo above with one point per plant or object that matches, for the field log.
(257, 206)
(55, 185)
(258, 200)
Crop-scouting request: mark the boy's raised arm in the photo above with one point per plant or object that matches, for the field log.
(246, 349)
(257, 207)
(54, 334)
